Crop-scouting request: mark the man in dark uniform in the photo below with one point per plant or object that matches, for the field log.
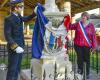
(13, 30)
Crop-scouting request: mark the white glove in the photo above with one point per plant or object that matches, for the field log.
(35, 10)
(19, 49)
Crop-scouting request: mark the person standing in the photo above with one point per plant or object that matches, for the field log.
(13, 31)
(84, 41)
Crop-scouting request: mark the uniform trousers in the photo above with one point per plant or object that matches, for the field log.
(14, 65)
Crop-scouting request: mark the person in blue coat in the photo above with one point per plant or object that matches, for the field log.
(13, 31)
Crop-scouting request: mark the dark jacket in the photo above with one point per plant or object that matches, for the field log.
(13, 30)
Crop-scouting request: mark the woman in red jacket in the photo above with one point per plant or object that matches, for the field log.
(85, 39)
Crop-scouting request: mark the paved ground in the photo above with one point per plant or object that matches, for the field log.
(93, 75)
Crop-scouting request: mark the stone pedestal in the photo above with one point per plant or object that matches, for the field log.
(54, 63)
(52, 67)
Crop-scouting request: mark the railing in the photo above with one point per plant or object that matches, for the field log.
(26, 55)
(95, 58)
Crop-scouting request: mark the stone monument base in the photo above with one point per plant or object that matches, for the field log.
(26, 74)
(52, 67)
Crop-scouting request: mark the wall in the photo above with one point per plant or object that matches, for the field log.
(2, 16)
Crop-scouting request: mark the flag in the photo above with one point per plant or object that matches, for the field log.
(51, 41)
(67, 21)
(39, 32)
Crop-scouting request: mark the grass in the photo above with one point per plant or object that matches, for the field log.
(72, 56)
(25, 60)
(94, 59)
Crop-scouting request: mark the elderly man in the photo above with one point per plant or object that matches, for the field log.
(13, 30)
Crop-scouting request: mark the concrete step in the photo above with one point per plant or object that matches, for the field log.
(26, 75)
(94, 75)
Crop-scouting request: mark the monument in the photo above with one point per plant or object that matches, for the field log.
(55, 64)
(55, 61)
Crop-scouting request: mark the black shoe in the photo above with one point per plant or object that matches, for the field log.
(79, 72)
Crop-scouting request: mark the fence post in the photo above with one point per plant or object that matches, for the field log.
(44, 75)
(4, 53)
(93, 60)
(75, 67)
(97, 61)
(31, 74)
(55, 71)
(27, 55)
(84, 71)
(65, 73)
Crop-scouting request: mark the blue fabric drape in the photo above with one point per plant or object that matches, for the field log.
(39, 32)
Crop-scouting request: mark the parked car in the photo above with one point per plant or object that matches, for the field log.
(97, 28)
